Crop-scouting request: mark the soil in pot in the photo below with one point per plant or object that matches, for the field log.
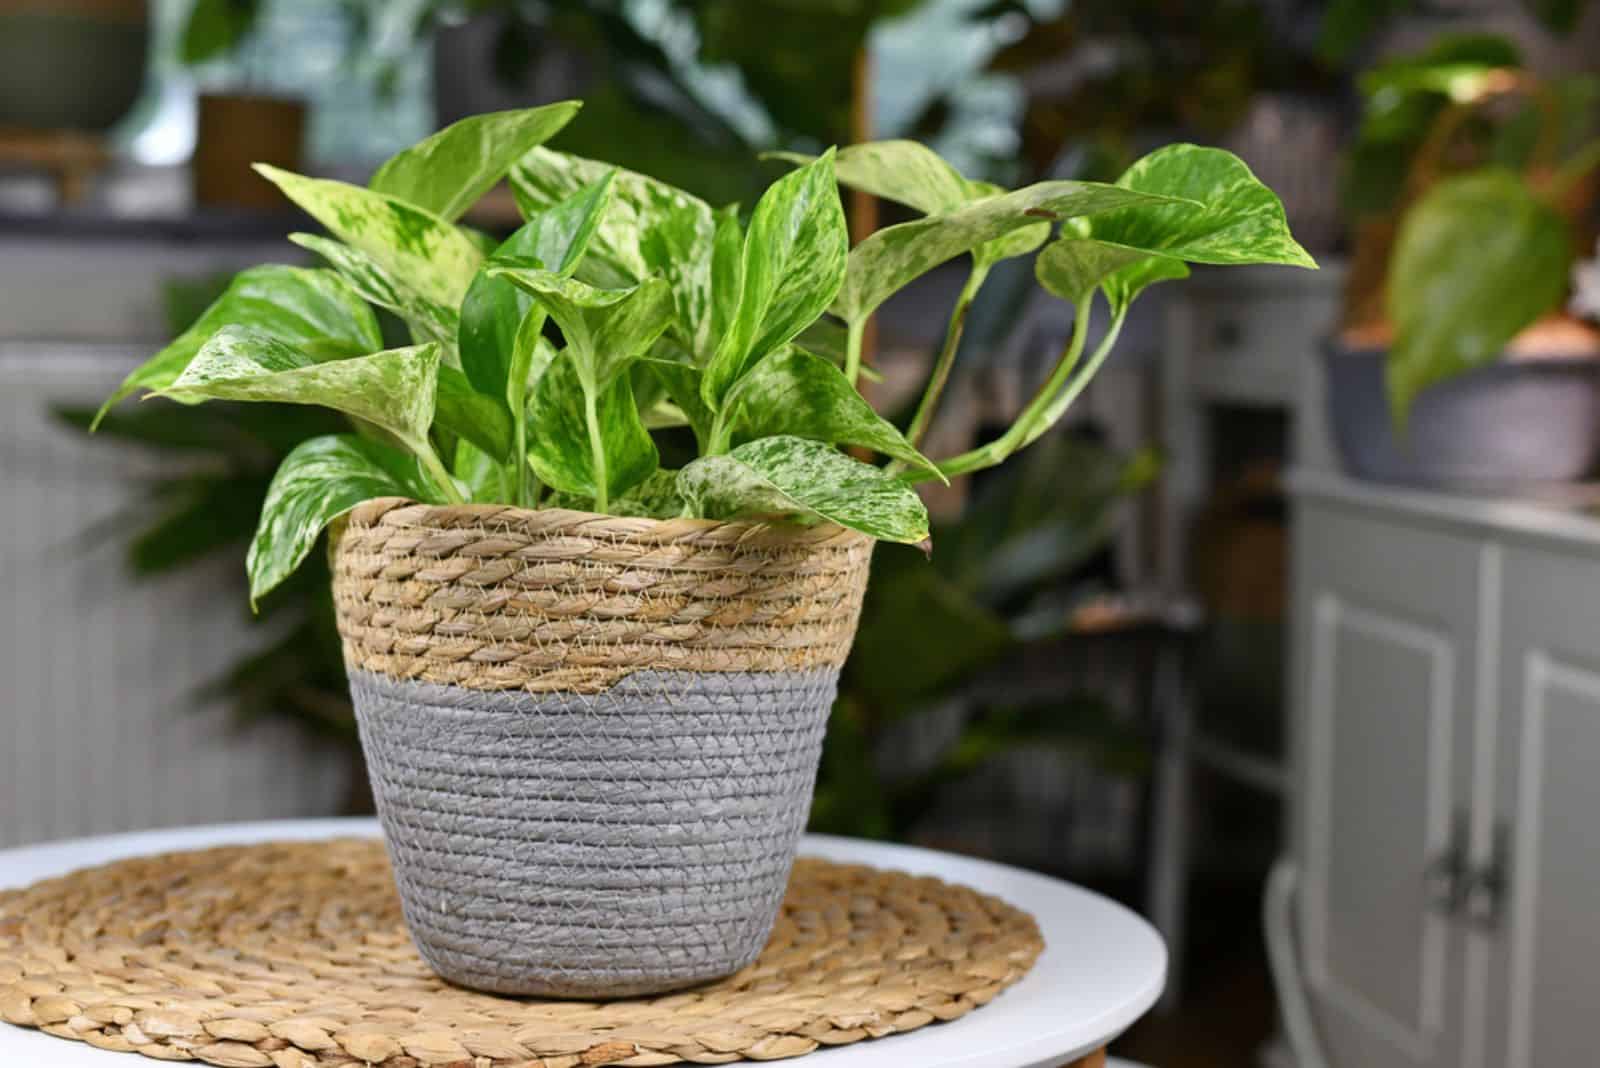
(1529, 420)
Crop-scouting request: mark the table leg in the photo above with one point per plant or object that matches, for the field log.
(1093, 1060)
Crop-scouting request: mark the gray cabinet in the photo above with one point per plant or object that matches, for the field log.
(1543, 932)
(1446, 682)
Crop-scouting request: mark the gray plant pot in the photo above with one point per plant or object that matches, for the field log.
(608, 845)
(1499, 428)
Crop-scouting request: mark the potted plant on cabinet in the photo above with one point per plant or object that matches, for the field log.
(238, 126)
(592, 691)
(1457, 364)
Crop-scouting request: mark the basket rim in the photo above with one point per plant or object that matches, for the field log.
(752, 533)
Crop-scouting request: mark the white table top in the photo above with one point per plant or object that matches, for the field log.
(1102, 967)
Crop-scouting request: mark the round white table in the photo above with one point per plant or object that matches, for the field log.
(1102, 967)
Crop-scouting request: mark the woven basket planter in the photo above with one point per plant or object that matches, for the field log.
(592, 740)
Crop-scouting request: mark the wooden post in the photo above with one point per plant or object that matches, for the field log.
(863, 206)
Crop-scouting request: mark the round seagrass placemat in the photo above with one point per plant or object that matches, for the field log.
(294, 955)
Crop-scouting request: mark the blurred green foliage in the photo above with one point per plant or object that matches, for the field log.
(221, 459)
(1001, 578)
(1347, 25)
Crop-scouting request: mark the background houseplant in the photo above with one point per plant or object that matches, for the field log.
(542, 368)
(1473, 181)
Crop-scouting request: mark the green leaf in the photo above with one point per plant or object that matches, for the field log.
(727, 271)
(433, 256)
(605, 329)
(319, 481)
(883, 263)
(428, 319)
(911, 173)
(1225, 215)
(650, 228)
(1479, 258)
(480, 473)
(216, 27)
(1558, 16)
(793, 264)
(313, 309)
(953, 633)
(828, 339)
(654, 498)
(1122, 286)
(476, 417)
(393, 390)
(906, 172)
(793, 392)
(448, 172)
(789, 476)
(1073, 268)
(1454, 65)
(1347, 23)
(561, 450)
(494, 308)
(681, 381)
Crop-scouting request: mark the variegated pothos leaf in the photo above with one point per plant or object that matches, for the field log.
(448, 172)
(605, 329)
(1224, 214)
(560, 449)
(793, 392)
(654, 498)
(427, 318)
(788, 477)
(649, 229)
(312, 309)
(320, 480)
(434, 257)
(393, 389)
(883, 263)
(792, 267)
(494, 309)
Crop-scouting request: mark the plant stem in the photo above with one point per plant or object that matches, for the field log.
(597, 450)
(436, 471)
(519, 459)
(947, 355)
(1017, 435)
(1572, 172)
(852, 349)
(1059, 405)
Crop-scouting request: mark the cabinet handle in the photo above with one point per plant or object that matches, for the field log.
(1485, 887)
(1445, 880)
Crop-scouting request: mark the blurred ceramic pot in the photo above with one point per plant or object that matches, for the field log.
(71, 64)
(1511, 425)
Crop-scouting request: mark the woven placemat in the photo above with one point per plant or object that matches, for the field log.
(293, 955)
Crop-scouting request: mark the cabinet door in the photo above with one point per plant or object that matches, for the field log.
(1386, 628)
(1543, 943)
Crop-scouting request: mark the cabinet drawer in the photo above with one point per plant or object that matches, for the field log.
(1250, 347)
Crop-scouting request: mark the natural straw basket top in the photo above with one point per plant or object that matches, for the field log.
(496, 598)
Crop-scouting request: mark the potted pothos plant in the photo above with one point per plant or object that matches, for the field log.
(592, 690)
(1457, 364)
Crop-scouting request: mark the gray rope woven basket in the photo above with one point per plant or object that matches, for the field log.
(592, 740)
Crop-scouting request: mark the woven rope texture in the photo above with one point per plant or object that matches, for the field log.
(497, 598)
(294, 956)
(573, 845)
